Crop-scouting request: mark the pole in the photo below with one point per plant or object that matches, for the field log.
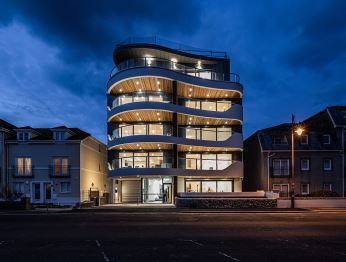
(292, 151)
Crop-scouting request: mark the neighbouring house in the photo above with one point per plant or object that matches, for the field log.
(58, 165)
(174, 122)
(319, 156)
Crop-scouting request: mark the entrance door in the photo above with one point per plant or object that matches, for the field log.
(36, 192)
(167, 193)
(47, 192)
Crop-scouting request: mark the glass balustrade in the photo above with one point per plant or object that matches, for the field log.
(141, 97)
(206, 133)
(201, 71)
(205, 161)
(219, 106)
(141, 129)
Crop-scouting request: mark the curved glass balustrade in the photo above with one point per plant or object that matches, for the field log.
(158, 160)
(219, 106)
(141, 97)
(205, 133)
(142, 129)
(198, 71)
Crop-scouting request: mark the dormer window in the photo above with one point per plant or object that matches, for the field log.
(59, 135)
(326, 139)
(279, 140)
(23, 136)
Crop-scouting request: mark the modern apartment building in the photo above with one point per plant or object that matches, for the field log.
(53, 165)
(174, 122)
(319, 156)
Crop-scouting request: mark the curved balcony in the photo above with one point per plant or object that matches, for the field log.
(233, 113)
(235, 141)
(233, 169)
(142, 72)
(198, 71)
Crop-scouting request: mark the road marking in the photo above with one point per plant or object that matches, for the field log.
(105, 256)
(225, 255)
(192, 241)
(97, 243)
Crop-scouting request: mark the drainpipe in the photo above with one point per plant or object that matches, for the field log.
(268, 169)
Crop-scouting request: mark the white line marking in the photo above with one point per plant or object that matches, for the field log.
(105, 257)
(97, 243)
(195, 242)
(225, 255)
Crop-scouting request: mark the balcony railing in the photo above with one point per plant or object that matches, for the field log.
(59, 171)
(141, 97)
(23, 171)
(207, 134)
(167, 162)
(141, 129)
(168, 64)
(219, 106)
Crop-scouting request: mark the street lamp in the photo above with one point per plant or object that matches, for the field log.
(299, 131)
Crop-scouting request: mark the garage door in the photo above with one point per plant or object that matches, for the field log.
(131, 191)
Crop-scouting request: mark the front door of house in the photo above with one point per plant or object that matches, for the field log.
(41, 192)
(167, 193)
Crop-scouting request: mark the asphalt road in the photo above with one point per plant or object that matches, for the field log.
(173, 236)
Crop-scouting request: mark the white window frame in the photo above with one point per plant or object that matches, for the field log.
(326, 135)
(330, 186)
(301, 166)
(69, 190)
(304, 142)
(281, 160)
(59, 135)
(330, 166)
(301, 188)
(23, 136)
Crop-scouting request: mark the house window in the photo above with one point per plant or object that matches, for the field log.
(280, 167)
(304, 140)
(279, 140)
(305, 189)
(327, 165)
(282, 189)
(60, 166)
(327, 187)
(304, 164)
(23, 167)
(326, 139)
(59, 135)
(65, 187)
(23, 136)
(18, 187)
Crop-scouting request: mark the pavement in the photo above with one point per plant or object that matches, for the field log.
(149, 234)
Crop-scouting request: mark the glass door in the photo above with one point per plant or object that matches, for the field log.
(47, 192)
(167, 193)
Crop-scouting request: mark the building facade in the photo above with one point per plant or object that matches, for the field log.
(60, 165)
(319, 156)
(174, 123)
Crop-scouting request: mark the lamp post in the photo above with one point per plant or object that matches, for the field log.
(299, 130)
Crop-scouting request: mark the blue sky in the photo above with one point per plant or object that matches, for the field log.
(55, 56)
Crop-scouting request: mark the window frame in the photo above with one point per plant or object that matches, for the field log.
(283, 139)
(21, 135)
(307, 140)
(288, 167)
(330, 186)
(331, 164)
(70, 187)
(23, 167)
(329, 139)
(309, 165)
(301, 188)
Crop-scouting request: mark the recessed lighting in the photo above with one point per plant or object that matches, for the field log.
(190, 118)
(158, 144)
(189, 123)
(140, 148)
(159, 119)
(226, 95)
(174, 60)
(207, 123)
(137, 114)
(190, 89)
(139, 119)
(120, 119)
(121, 148)
(120, 90)
(140, 90)
(158, 114)
(189, 95)
(226, 122)
(159, 89)
(137, 83)
(137, 145)
(158, 82)
(208, 95)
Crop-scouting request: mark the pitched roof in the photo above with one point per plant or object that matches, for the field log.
(6, 125)
(338, 115)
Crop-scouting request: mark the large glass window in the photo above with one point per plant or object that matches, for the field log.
(126, 160)
(210, 106)
(139, 130)
(280, 167)
(193, 161)
(60, 166)
(209, 186)
(156, 130)
(223, 105)
(193, 186)
(224, 186)
(140, 160)
(193, 104)
(223, 133)
(208, 161)
(209, 134)
(223, 161)
(23, 166)
(156, 159)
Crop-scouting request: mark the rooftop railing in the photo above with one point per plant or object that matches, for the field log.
(172, 65)
(154, 40)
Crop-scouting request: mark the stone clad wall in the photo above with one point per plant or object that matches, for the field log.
(225, 202)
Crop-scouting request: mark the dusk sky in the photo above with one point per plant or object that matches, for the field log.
(56, 56)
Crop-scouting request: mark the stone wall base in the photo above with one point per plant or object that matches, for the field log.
(225, 203)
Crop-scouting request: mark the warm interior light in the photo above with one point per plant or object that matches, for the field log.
(226, 95)
(190, 89)
(120, 90)
(299, 131)
(158, 114)
(158, 82)
(137, 83)
(199, 65)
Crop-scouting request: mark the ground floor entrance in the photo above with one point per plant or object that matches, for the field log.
(163, 190)
(41, 192)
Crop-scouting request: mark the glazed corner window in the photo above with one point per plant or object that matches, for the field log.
(279, 140)
(326, 139)
(304, 164)
(65, 187)
(23, 167)
(23, 136)
(60, 166)
(327, 164)
(304, 140)
(304, 188)
(59, 135)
